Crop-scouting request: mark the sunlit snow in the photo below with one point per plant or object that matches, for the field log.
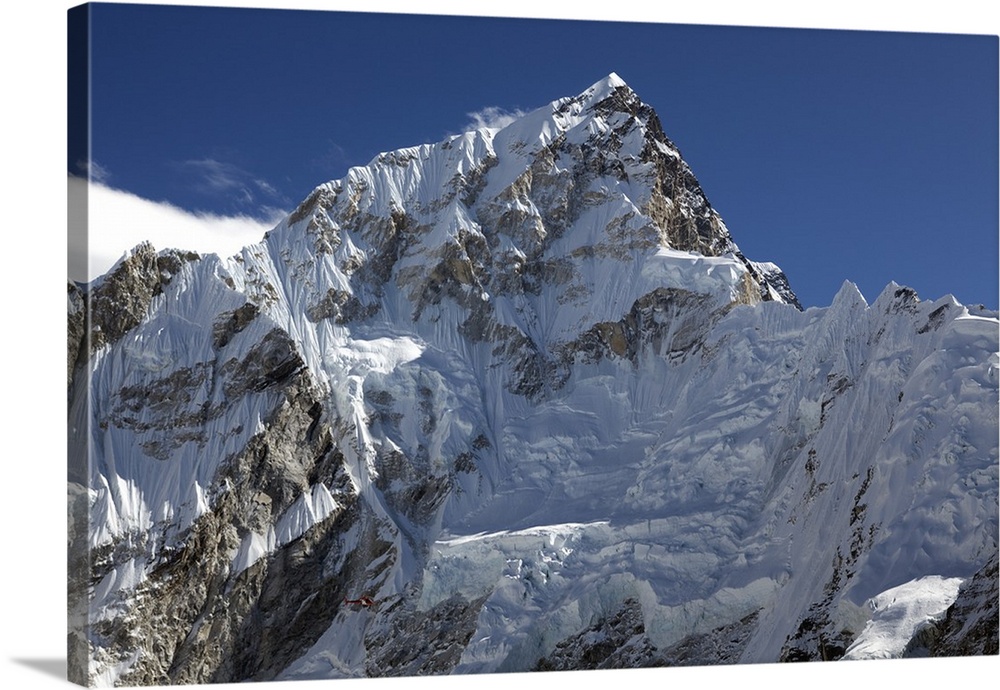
(897, 613)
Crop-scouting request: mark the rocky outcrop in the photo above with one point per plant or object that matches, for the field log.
(76, 330)
(199, 617)
(422, 642)
(618, 641)
(667, 322)
(970, 626)
(121, 299)
(723, 645)
(820, 635)
(231, 323)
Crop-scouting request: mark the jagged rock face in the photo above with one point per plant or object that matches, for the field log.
(119, 302)
(618, 641)
(522, 390)
(971, 624)
(76, 329)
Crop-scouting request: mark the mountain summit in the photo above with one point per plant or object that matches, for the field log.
(516, 401)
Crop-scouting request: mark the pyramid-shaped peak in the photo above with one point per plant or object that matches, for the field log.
(610, 82)
(604, 88)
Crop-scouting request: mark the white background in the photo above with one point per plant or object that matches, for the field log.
(32, 332)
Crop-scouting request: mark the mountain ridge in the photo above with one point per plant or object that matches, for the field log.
(514, 386)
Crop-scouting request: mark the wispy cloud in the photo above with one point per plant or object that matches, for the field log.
(93, 170)
(333, 160)
(246, 191)
(216, 174)
(263, 186)
(119, 220)
(492, 117)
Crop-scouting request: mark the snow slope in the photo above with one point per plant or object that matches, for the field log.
(899, 612)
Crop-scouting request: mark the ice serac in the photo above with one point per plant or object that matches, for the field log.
(522, 389)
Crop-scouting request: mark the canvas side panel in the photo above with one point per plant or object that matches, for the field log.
(78, 346)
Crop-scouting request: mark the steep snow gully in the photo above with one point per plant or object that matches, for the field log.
(522, 390)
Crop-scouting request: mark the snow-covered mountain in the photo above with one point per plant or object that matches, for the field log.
(517, 401)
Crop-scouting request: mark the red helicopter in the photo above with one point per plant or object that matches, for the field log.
(365, 601)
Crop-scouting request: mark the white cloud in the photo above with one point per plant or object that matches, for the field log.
(118, 220)
(492, 117)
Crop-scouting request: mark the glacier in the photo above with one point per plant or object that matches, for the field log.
(522, 388)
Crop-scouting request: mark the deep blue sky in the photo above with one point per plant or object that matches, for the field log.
(866, 156)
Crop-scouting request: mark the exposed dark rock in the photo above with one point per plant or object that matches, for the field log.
(78, 653)
(817, 637)
(775, 279)
(423, 642)
(169, 262)
(667, 321)
(935, 319)
(230, 323)
(271, 362)
(723, 645)
(618, 641)
(196, 620)
(76, 330)
(121, 300)
(300, 597)
(970, 626)
(342, 307)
